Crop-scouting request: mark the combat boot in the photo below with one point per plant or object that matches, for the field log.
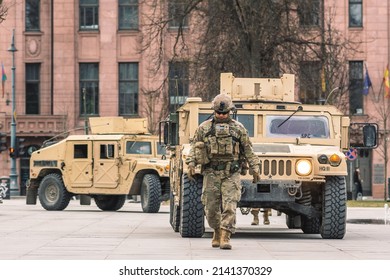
(225, 239)
(265, 216)
(255, 221)
(216, 238)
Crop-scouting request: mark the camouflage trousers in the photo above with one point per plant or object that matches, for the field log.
(220, 194)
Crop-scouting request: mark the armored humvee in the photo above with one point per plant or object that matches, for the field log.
(118, 159)
(300, 146)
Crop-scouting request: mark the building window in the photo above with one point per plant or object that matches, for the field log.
(310, 82)
(89, 89)
(89, 14)
(355, 13)
(176, 11)
(309, 12)
(32, 88)
(128, 88)
(356, 87)
(128, 14)
(32, 15)
(178, 84)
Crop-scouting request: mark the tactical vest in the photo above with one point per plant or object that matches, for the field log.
(222, 142)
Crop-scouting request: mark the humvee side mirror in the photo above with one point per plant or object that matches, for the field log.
(365, 135)
(170, 133)
(166, 133)
(369, 136)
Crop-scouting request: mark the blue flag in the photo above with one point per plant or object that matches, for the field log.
(367, 83)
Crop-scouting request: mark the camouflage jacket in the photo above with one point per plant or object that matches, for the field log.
(239, 134)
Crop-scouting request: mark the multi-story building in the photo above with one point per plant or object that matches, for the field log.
(86, 58)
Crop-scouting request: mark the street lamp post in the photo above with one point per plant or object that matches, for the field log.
(13, 174)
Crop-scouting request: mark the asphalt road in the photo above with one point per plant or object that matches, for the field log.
(28, 232)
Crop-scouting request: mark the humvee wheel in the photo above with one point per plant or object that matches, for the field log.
(52, 193)
(191, 207)
(174, 214)
(293, 222)
(334, 208)
(311, 225)
(150, 193)
(110, 202)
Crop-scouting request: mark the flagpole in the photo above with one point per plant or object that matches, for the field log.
(13, 174)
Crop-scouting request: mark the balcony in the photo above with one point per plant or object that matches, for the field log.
(34, 125)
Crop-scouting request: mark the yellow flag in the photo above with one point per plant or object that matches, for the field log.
(323, 82)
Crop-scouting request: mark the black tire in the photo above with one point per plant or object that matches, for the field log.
(53, 194)
(174, 214)
(191, 207)
(334, 208)
(151, 193)
(311, 225)
(110, 202)
(293, 222)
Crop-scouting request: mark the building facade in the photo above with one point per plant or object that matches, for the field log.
(88, 58)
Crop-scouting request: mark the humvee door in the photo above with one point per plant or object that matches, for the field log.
(106, 164)
(78, 164)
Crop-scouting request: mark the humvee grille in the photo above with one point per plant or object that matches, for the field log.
(276, 167)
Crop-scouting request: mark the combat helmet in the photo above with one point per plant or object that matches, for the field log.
(222, 103)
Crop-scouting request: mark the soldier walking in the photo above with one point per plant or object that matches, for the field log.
(220, 145)
(255, 213)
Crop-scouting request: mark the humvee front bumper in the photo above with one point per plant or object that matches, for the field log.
(281, 196)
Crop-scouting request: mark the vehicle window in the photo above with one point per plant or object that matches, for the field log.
(107, 151)
(246, 120)
(161, 149)
(138, 147)
(80, 151)
(298, 126)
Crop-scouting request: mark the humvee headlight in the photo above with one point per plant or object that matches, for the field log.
(335, 160)
(303, 167)
(167, 168)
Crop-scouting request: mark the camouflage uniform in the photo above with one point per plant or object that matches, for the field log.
(226, 145)
(266, 213)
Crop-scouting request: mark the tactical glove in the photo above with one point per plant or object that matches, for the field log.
(256, 177)
(244, 168)
(191, 171)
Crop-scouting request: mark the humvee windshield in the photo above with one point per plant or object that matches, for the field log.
(161, 149)
(247, 120)
(139, 147)
(297, 126)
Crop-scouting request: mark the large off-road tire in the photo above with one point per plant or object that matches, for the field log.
(151, 193)
(191, 207)
(334, 209)
(174, 214)
(52, 193)
(293, 222)
(110, 202)
(311, 225)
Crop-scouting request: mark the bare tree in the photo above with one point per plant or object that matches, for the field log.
(3, 11)
(250, 38)
(382, 118)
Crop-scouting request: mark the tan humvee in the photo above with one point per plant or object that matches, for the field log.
(118, 159)
(301, 149)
